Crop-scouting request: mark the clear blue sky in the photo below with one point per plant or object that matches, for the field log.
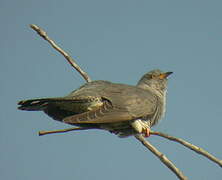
(118, 41)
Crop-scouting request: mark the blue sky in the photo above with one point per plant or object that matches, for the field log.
(117, 41)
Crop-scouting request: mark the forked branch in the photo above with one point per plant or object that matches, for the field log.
(193, 147)
(162, 157)
(149, 146)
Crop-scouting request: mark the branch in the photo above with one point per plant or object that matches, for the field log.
(171, 138)
(162, 157)
(190, 146)
(41, 133)
(71, 61)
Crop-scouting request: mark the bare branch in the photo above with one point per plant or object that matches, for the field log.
(162, 157)
(190, 146)
(41, 133)
(197, 149)
(71, 61)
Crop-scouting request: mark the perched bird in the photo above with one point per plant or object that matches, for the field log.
(121, 109)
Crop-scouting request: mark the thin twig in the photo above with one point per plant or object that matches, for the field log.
(71, 61)
(41, 133)
(162, 157)
(190, 146)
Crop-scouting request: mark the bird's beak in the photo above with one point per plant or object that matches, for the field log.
(165, 75)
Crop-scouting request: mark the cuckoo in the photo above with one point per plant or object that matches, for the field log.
(119, 108)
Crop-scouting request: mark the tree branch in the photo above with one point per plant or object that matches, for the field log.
(71, 61)
(41, 133)
(190, 146)
(196, 149)
(162, 157)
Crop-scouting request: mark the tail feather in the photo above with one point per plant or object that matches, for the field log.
(34, 104)
(54, 107)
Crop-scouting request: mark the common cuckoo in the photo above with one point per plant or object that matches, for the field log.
(121, 109)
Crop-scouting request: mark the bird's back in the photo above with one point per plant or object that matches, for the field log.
(131, 98)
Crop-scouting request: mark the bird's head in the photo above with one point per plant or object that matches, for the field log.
(155, 80)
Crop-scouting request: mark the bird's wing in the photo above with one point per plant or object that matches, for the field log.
(119, 103)
(104, 114)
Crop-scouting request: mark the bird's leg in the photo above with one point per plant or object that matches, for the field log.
(139, 126)
(146, 132)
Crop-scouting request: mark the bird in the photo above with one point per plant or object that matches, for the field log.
(121, 109)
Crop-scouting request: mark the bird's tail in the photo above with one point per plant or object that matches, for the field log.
(35, 104)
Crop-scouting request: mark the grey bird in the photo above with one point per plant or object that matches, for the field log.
(119, 108)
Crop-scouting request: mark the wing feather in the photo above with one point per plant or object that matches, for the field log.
(104, 114)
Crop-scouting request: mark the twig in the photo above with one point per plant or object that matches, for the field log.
(162, 157)
(41, 133)
(190, 146)
(71, 61)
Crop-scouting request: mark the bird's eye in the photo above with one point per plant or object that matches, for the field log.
(153, 76)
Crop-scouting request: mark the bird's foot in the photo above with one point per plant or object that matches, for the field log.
(146, 132)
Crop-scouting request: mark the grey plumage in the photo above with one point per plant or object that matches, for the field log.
(119, 108)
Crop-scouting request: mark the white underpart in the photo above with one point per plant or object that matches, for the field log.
(139, 125)
(164, 105)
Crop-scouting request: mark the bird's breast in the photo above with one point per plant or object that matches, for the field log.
(160, 110)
